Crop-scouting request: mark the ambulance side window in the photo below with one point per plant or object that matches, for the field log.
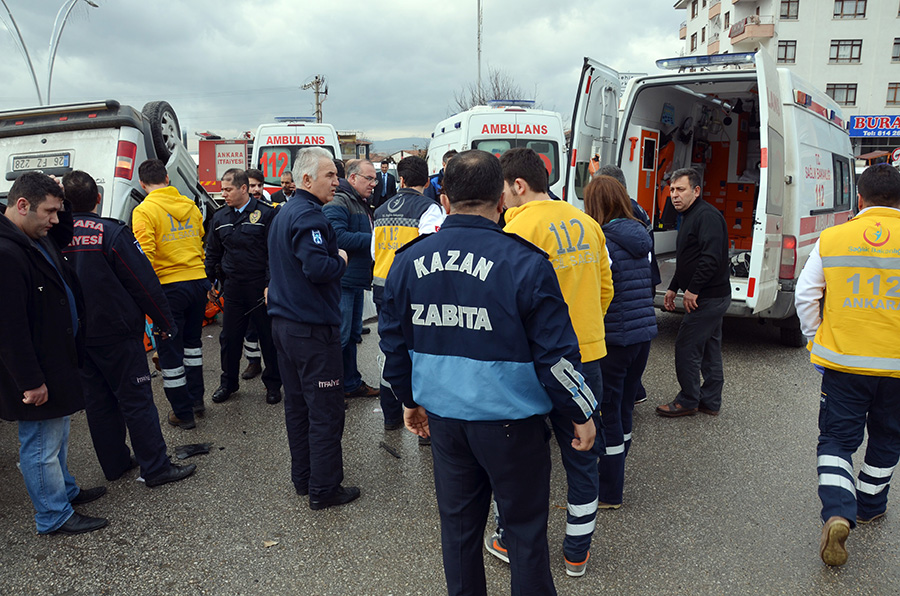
(843, 192)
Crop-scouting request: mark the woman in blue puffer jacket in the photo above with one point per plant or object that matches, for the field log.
(630, 325)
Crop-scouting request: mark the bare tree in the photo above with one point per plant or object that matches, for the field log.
(498, 85)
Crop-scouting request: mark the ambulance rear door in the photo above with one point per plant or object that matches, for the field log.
(594, 126)
(765, 256)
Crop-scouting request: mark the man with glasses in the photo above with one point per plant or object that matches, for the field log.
(351, 218)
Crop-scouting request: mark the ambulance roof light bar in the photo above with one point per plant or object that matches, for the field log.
(510, 103)
(678, 63)
(295, 118)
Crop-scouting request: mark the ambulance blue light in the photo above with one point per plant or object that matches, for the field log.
(706, 61)
(503, 103)
(295, 118)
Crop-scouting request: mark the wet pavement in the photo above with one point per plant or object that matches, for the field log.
(723, 505)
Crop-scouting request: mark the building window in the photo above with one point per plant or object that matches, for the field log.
(704, 3)
(694, 9)
(893, 98)
(787, 52)
(845, 51)
(727, 20)
(693, 41)
(849, 9)
(895, 56)
(703, 35)
(789, 9)
(842, 93)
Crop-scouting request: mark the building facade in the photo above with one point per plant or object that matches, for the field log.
(848, 48)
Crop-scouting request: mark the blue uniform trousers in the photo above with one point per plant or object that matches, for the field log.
(251, 344)
(391, 407)
(512, 458)
(181, 357)
(118, 395)
(309, 358)
(243, 304)
(622, 369)
(351, 333)
(849, 404)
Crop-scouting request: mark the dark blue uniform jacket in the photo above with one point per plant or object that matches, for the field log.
(305, 268)
(474, 327)
(237, 244)
(118, 281)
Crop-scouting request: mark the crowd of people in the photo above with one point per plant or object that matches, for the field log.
(500, 310)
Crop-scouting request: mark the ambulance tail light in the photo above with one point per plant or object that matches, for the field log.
(125, 153)
(788, 257)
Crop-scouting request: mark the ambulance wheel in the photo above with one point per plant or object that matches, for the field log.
(791, 336)
(164, 128)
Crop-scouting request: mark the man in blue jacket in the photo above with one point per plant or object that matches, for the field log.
(479, 348)
(120, 288)
(305, 266)
(351, 218)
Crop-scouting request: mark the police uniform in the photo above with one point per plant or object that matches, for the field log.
(397, 222)
(237, 254)
(120, 287)
(304, 298)
(475, 330)
(855, 266)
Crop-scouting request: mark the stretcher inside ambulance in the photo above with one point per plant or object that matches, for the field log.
(771, 150)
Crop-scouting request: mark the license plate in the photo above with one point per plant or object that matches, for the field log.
(22, 163)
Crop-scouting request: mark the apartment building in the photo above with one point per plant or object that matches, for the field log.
(849, 48)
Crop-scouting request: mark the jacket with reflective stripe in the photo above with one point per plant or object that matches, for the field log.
(861, 317)
(396, 224)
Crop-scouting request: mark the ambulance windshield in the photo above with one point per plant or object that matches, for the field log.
(278, 159)
(548, 150)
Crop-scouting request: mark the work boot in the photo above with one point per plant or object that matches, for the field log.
(252, 371)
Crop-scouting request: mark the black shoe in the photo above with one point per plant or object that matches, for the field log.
(88, 494)
(301, 490)
(79, 524)
(252, 371)
(199, 408)
(366, 331)
(393, 425)
(340, 496)
(222, 394)
(423, 442)
(174, 473)
(273, 396)
(131, 465)
(182, 424)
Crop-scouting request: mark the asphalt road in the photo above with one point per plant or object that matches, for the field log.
(722, 505)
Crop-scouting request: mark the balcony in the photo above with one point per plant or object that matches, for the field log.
(715, 8)
(682, 31)
(751, 29)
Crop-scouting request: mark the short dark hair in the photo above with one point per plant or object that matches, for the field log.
(339, 166)
(33, 187)
(288, 173)
(880, 185)
(449, 155)
(255, 175)
(152, 171)
(413, 170)
(81, 190)
(238, 177)
(692, 174)
(473, 178)
(613, 172)
(386, 161)
(525, 163)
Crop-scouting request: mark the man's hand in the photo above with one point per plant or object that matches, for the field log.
(266, 295)
(343, 254)
(690, 301)
(584, 435)
(669, 300)
(211, 294)
(37, 397)
(416, 421)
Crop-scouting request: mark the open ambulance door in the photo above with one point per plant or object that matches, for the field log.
(765, 256)
(594, 127)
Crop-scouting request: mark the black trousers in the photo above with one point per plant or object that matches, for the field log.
(312, 371)
(243, 303)
(698, 350)
(512, 458)
(118, 395)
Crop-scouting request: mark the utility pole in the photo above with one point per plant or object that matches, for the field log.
(320, 87)
(480, 96)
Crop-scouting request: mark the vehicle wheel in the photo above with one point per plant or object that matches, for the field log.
(791, 335)
(164, 127)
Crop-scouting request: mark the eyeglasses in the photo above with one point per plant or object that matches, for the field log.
(369, 178)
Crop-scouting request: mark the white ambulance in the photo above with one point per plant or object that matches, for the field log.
(276, 145)
(499, 126)
(773, 153)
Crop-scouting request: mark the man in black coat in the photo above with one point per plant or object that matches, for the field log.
(385, 186)
(120, 288)
(40, 345)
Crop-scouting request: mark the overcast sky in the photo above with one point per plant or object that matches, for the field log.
(392, 67)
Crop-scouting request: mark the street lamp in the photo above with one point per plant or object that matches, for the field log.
(20, 43)
(58, 26)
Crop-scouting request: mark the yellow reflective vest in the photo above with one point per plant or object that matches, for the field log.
(860, 330)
